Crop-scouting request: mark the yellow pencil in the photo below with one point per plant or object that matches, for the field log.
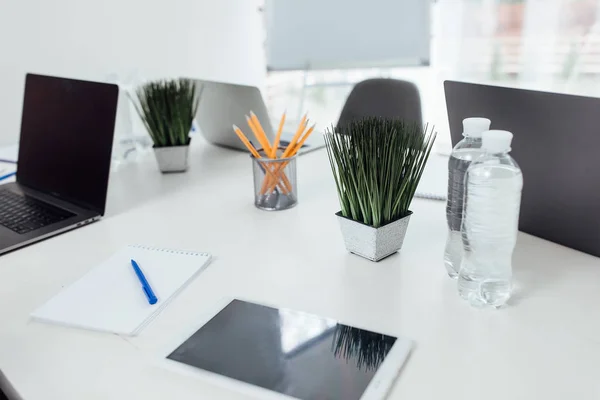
(303, 139)
(267, 184)
(246, 142)
(290, 151)
(265, 145)
(261, 132)
(255, 153)
(299, 131)
(278, 136)
(255, 125)
(270, 180)
(292, 154)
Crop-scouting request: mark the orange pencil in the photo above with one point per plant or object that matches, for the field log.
(255, 153)
(293, 153)
(262, 140)
(261, 132)
(303, 139)
(272, 152)
(267, 183)
(276, 143)
(299, 131)
(278, 136)
(246, 142)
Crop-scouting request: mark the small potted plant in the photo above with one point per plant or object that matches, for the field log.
(167, 109)
(377, 164)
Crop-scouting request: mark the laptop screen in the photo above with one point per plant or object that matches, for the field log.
(67, 131)
(556, 143)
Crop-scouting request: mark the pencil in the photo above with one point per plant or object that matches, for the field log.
(278, 136)
(246, 142)
(299, 131)
(261, 132)
(255, 153)
(303, 139)
(254, 124)
(264, 142)
(265, 145)
(290, 151)
(276, 146)
(292, 154)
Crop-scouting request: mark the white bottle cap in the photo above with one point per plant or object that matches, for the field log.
(474, 127)
(496, 141)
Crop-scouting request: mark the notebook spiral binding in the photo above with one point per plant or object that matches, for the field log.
(163, 250)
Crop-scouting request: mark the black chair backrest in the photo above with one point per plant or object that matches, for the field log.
(390, 98)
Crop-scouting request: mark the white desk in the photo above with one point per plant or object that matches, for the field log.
(545, 346)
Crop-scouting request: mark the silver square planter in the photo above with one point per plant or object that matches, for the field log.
(373, 243)
(172, 159)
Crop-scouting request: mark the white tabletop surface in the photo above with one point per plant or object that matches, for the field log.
(545, 345)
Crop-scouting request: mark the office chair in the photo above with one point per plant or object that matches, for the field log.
(390, 98)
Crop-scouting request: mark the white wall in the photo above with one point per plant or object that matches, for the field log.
(210, 39)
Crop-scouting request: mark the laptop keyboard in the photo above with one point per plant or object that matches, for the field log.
(23, 214)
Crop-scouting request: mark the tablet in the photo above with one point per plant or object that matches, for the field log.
(277, 353)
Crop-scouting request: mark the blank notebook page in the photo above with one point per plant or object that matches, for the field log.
(434, 181)
(110, 298)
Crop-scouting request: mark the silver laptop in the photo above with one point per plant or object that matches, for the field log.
(64, 158)
(224, 104)
(556, 144)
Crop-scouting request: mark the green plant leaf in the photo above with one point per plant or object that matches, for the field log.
(167, 108)
(377, 164)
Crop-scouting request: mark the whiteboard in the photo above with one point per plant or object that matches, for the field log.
(323, 34)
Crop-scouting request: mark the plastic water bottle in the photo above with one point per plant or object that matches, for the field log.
(490, 223)
(462, 155)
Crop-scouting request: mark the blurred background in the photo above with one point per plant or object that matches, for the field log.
(551, 45)
(305, 55)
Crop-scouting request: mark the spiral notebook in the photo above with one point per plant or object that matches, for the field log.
(110, 298)
(434, 182)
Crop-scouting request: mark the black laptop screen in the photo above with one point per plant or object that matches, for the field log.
(66, 138)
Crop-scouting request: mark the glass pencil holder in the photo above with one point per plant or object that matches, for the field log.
(275, 184)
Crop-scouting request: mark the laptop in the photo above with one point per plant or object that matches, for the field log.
(64, 159)
(7, 391)
(223, 105)
(556, 143)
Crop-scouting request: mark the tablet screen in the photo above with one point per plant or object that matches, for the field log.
(290, 352)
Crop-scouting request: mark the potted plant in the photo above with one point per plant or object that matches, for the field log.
(167, 109)
(377, 164)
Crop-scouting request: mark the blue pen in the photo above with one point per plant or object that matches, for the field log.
(145, 285)
(3, 177)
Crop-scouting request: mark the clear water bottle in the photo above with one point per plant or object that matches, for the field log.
(462, 155)
(490, 223)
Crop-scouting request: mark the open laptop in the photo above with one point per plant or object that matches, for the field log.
(7, 391)
(65, 149)
(557, 145)
(224, 104)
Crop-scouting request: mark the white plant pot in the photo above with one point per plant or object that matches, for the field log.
(172, 159)
(373, 243)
